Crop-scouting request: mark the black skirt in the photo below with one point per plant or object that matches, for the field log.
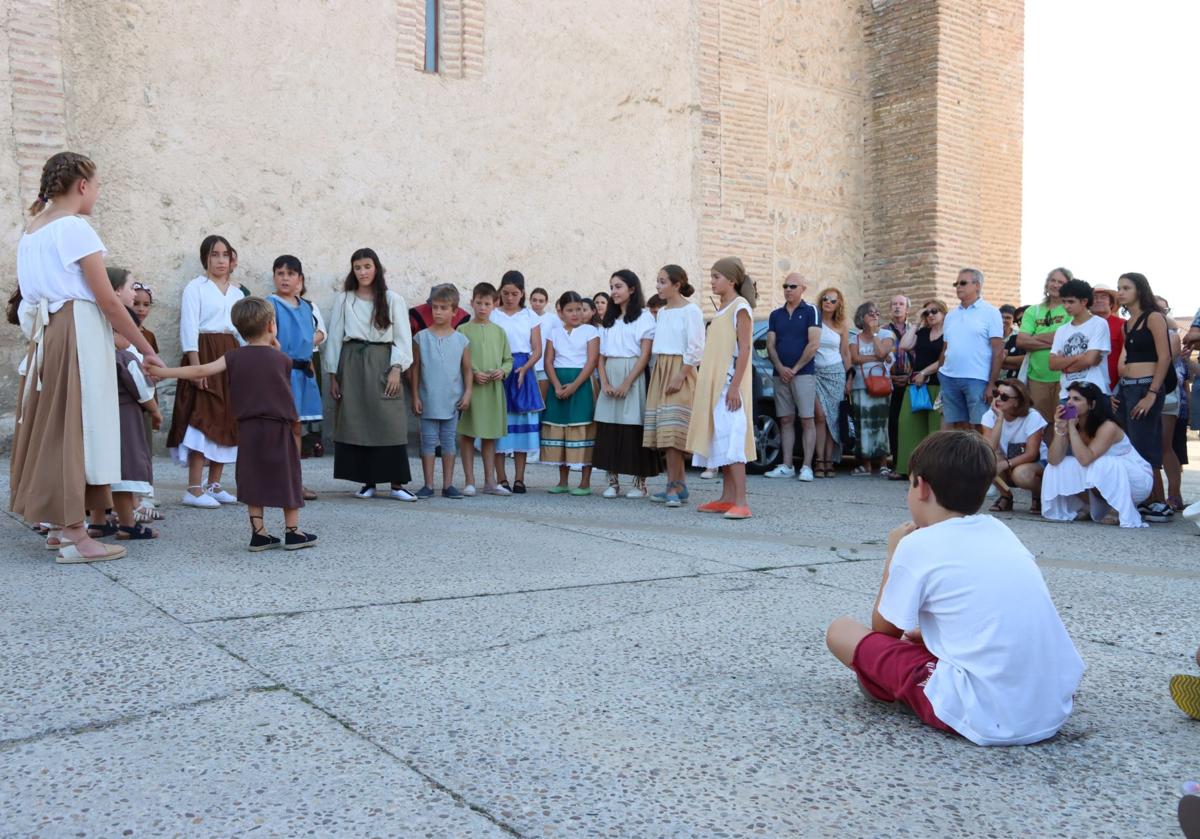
(371, 464)
(619, 450)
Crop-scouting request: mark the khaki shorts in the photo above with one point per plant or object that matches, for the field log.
(797, 397)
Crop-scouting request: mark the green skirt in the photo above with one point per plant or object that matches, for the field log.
(579, 409)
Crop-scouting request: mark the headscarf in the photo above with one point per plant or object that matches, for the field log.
(732, 269)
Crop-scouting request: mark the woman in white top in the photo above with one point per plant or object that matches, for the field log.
(1093, 468)
(832, 362)
(203, 428)
(523, 399)
(626, 336)
(65, 455)
(368, 349)
(676, 352)
(1014, 428)
(721, 434)
(870, 351)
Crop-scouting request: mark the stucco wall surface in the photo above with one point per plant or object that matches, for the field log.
(302, 127)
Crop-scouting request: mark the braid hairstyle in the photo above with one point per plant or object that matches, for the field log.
(59, 174)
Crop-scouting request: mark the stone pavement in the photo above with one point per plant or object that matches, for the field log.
(554, 666)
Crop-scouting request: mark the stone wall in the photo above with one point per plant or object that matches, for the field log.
(783, 91)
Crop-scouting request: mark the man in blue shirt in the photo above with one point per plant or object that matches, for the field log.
(793, 337)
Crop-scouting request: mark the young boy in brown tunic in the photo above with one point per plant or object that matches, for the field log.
(268, 464)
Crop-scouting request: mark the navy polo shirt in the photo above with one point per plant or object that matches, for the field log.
(791, 333)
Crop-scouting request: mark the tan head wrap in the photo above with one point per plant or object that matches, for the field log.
(731, 268)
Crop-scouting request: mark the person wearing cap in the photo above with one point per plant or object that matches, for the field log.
(1104, 305)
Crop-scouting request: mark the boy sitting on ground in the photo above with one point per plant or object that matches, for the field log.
(964, 631)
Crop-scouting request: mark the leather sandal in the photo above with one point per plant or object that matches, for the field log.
(1003, 504)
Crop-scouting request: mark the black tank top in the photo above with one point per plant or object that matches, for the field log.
(1139, 341)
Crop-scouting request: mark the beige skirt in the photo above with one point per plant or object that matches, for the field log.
(667, 415)
(628, 411)
(67, 420)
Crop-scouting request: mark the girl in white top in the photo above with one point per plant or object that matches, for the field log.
(523, 399)
(676, 351)
(539, 301)
(720, 432)
(203, 428)
(1014, 428)
(1093, 467)
(626, 336)
(368, 349)
(63, 458)
(568, 429)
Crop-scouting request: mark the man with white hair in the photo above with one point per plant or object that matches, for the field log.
(972, 353)
(793, 337)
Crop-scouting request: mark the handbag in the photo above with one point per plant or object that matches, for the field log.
(919, 398)
(877, 380)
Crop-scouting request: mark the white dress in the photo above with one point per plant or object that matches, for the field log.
(729, 427)
(1119, 478)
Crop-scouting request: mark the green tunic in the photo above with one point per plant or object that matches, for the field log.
(487, 417)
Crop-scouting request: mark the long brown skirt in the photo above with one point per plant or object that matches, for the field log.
(208, 411)
(667, 415)
(47, 476)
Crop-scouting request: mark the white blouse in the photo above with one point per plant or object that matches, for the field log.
(571, 348)
(205, 309)
(830, 350)
(519, 328)
(680, 332)
(48, 262)
(624, 340)
(549, 321)
(352, 318)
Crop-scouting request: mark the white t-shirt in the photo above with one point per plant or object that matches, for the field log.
(48, 262)
(518, 328)
(1018, 430)
(624, 340)
(1070, 339)
(205, 309)
(571, 348)
(968, 332)
(1007, 670)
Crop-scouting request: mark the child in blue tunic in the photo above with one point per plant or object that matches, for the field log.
(297, 329)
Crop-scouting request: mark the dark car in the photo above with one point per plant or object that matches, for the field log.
(767, 438)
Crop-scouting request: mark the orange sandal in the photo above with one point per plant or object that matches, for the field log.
(738, 513)
(715, 507)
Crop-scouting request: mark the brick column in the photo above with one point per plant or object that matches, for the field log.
(39, 116)
(945, 146)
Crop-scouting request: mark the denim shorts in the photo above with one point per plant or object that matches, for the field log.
(962, 399)
(436, 433)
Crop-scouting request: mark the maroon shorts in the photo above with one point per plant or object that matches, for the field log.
(893, 670)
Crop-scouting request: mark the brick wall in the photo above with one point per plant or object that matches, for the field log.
(945, 146)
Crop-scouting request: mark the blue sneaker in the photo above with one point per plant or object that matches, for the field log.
(451, 492)
(676, 494)
(659, 497)
(424, 492)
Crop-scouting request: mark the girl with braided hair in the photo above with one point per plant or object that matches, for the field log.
(63, 459)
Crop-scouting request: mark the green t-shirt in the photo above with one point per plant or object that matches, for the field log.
(1036, 321)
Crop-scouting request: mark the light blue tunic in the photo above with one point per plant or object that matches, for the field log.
(296, 329)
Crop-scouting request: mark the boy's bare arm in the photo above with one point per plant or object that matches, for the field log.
(201, 371)
(878, 622)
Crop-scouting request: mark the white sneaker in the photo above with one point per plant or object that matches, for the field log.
(469, 490)
(612, 492)
(993, 492)
(402, 494)
(203, 500)
(497, 490)
(365, 492)
(637, 492)
(708, 474)
(781, 471)
(806, 473)
(1192, 513)
(222, 497)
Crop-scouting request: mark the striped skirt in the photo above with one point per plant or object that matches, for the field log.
(667, 415)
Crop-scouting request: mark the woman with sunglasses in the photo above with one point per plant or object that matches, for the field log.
(832, 361)
(1015, 430)
(1093, 468)
(870, 351)
(925, 344)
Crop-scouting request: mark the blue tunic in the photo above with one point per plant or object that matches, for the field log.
(296, 330)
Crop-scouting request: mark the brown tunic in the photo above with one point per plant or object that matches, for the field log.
(268, 463)
(136, 464)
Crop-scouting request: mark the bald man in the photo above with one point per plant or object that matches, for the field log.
(793, 337)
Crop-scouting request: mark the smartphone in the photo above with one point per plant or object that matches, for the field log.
(1069, 412)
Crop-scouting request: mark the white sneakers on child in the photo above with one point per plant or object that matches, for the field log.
(203, 500)
(469, 490)
(221, 496)
(402, 494)
(636, 492)
(781, 471)
(612, 492)
(365, 492)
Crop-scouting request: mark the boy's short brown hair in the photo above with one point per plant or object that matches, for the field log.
(444, 293)
(959, 466)
(484, 290)
(251, 316)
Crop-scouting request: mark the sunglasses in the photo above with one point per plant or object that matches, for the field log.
(791, 287)
(1004, 397)
(961, 283)
(928, 313)
(830, 300)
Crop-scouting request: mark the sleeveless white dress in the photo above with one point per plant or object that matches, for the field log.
(1120, 478)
